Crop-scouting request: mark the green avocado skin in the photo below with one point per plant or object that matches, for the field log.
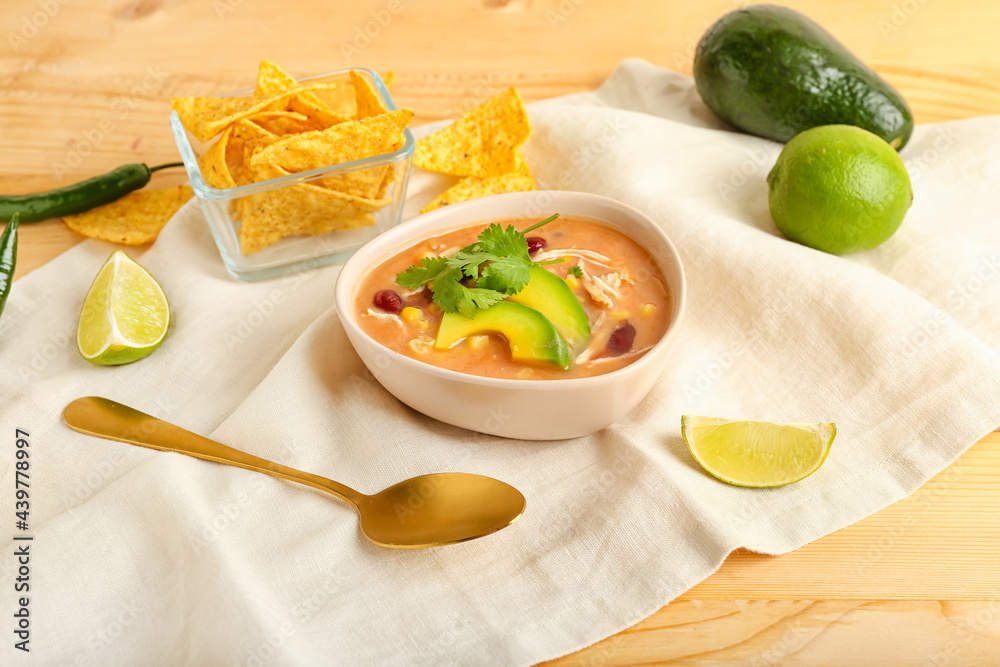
(530, 334)
(549, 294)
(773, 72)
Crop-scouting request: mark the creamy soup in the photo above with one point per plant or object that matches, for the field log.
(615, 280)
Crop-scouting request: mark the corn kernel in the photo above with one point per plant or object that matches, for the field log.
(477, 342)
(572, 281)
(647, 308)
(421, 344)
(416, 317)
(620, 314)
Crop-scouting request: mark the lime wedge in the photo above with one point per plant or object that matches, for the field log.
(757, 453)
(125, 314)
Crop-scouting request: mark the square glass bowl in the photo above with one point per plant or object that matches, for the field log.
(297, 253)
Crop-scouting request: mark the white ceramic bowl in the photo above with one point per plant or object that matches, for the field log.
(526, 409)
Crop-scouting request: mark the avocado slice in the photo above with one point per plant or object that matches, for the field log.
(551, 295)
(773, 72)
(530, 335)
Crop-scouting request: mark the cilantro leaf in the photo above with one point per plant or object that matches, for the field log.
(448, 291)
(469, 260)
(498, 265)
(576, 271)
(418, 275)
(504, 242)
(482, 298)
(508, 260)
(454, 297)
(506, 274)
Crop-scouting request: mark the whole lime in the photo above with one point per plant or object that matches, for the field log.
(839, 189)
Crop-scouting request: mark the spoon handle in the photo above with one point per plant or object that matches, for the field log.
(105, 418)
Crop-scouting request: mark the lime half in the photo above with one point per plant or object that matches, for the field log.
(757, 453)
(125, 315)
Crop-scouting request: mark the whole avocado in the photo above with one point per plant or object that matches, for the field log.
(773, 72)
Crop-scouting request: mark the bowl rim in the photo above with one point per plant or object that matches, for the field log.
(182, 137)
(343, 293)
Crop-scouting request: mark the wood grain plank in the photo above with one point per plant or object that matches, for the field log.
(809, 632)
(897, 553)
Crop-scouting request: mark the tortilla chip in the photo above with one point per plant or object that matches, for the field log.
(287, 128)
(206, 117)
(348, 141)
(482, 143)
(317, 112)
(521, 166)
(214, 168)
(388, 78)
(382, 194)
(473, 188)
(284, 122)
(367, 100)
(134, 219)
(361, 183)
(246, 137)
(272, 79)
(351, 140)
(368, 184)
(338, 97)
(263, 171)
(301, 209)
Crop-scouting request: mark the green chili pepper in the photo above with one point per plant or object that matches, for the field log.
(81, 196)
(8, 259)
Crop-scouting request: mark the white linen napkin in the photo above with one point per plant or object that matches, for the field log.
(143, 557)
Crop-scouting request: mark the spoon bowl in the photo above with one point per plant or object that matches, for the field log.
(424, 511)
(440, 508)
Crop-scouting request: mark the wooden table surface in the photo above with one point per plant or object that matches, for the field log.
(85, 87)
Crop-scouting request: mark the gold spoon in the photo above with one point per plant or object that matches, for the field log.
(425, 511)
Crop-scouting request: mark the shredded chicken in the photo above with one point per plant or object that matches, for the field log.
(602, 277)
(602, 288)
(599, 287)
(584, 356)
(585, 256)
(627, 355)
(597, 341)
(384, 316)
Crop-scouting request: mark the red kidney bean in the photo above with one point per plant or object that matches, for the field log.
(389, 301)
(621, 340)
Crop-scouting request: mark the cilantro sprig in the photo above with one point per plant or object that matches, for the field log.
(479, 275)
